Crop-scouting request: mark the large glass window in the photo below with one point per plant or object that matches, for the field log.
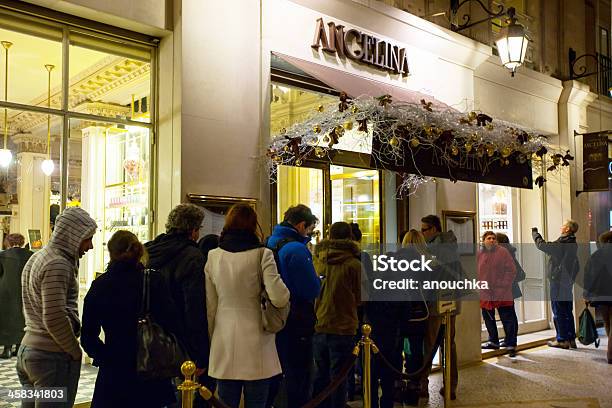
(91, 148)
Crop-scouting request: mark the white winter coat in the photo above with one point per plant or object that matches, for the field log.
(240, 349)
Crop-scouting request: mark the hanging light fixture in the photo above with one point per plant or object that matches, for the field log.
(47, 165)
(512, 43)
(5, 154)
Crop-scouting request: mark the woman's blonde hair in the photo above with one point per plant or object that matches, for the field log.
(125, 246)
(417, 240)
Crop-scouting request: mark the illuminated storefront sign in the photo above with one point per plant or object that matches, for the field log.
(361, 47)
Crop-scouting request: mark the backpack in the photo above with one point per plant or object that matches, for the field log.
(587, 333)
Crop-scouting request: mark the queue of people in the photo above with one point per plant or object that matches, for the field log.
(207, 295)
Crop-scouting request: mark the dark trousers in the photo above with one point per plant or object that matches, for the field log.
(507, 314)
(331, 351)
(296, 357)
(432, 330)
(389, 346)
(255, 392)
(563, 310)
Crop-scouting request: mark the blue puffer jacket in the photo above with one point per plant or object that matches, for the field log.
(296, 266)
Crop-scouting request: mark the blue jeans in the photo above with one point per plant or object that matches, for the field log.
(563, 311)
(39, 368)
(331, 351)
(255, 392)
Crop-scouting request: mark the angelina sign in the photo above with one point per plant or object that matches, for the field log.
(360, 47)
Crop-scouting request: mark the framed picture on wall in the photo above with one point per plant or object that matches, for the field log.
(215, 208)
(463, 225)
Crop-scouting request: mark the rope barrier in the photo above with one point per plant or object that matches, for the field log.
(335, 383)
(189, 386)
(426, 361)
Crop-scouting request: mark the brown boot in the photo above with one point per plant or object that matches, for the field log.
(559, 344)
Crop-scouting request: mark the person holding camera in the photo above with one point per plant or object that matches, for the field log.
(561, 273)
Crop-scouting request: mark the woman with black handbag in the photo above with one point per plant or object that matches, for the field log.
(243, 356)
(114, 304)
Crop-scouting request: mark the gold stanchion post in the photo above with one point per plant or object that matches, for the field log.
(366, 341)
(189, 386)
(447, 358)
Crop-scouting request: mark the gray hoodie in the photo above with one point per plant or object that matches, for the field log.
(50, 288)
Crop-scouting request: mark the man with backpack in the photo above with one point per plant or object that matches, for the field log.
(561, 273)
(294, 342)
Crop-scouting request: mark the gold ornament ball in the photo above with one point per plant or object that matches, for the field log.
(490, 126)
(468, 147)
(316, 129)
(339, 130)
(506, 151)
(454, 150)
(428, 131)
(490, 151)
(319, 152)
(298, 162)
(394, 142)
(414, 142)
(320, 108)
(348, 125)
(354, 109)
(326, 139)
(472, 116)
(286, 148)
(481, 151)
(283, 131)
(277, 159)
(507, 162)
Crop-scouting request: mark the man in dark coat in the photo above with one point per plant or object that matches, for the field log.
(598, 284)
(444, 246)
(177, 256)
(561, 273)
(12, 322)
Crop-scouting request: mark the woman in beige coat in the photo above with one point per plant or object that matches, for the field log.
(243, 357)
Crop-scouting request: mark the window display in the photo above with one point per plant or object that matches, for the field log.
(495, 209)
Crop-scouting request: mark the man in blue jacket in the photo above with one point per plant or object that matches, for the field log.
(294, 342)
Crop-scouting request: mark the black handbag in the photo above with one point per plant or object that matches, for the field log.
(160, 354)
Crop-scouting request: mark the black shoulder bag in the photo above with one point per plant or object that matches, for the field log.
(160, 354)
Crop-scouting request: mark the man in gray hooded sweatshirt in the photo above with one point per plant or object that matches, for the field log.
(50, 355)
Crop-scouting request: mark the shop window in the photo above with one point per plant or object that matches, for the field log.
(109, 78)
(31, 47)
(110, 177)
(103, 167)
(27, 185)
(495, 209)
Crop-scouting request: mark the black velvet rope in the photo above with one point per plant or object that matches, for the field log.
(426, 361)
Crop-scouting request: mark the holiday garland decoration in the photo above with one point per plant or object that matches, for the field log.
(403, 129)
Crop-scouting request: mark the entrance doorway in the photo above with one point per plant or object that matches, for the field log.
(334, 193)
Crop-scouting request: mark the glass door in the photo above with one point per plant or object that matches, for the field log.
(355, 198)
(301, 185)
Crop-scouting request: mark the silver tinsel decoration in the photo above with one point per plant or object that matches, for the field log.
(402, 130)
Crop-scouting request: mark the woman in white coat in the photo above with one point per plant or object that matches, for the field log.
(243, 357)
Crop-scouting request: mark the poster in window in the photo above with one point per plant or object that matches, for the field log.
(35, 238)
